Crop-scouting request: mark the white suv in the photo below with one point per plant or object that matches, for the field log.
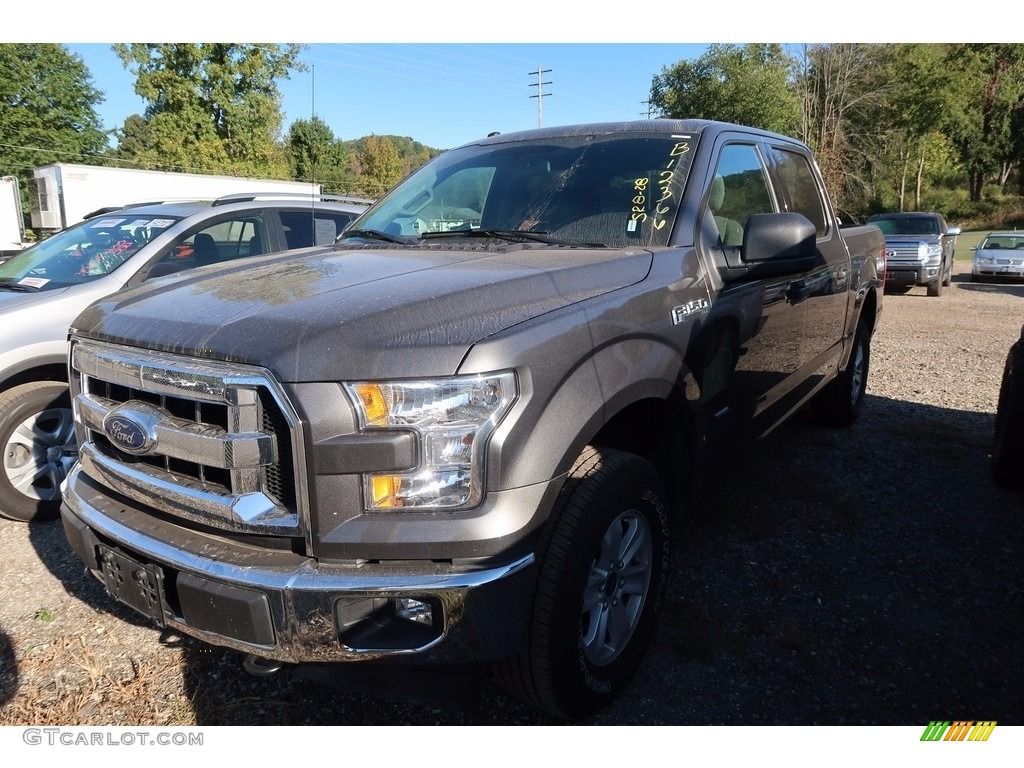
(43, 289)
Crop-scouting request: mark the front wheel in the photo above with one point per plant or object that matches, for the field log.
(602, 567)
(37, 437)
(935, 286)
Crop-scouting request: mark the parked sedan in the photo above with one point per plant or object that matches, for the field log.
(1001, 254)
(1008, 442)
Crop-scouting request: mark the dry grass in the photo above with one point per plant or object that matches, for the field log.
(67, 683)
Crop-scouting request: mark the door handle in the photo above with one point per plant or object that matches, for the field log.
(797, 292)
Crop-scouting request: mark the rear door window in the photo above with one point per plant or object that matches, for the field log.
(802, 192)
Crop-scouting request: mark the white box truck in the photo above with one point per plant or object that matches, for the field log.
(12, 220)
(66, 192)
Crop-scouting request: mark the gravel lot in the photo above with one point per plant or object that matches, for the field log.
(863, 576)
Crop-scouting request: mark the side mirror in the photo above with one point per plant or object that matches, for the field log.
(953, 231)
(773, 244)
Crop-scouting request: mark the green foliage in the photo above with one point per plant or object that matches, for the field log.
(316, 155)
(910, 126)
(985, 107)
(380, 165)
(210, 107)
(47, 111)
(746, 84)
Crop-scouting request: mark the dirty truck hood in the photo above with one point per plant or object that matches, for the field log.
(336, 314)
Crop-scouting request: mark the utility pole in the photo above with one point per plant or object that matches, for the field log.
(539, 95)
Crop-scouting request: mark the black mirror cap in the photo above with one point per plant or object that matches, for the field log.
(778, 237)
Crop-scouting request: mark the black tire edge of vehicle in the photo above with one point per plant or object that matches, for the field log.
(1008, 437)
(33, 469)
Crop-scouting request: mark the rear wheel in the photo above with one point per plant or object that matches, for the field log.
(602, 566)
(839, 404)
(37, 437)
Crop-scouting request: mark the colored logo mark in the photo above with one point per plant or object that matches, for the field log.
(958, 730)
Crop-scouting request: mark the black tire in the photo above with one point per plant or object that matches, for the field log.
(935, 286)
(839, 403)
(37, 438)
(592, 615)
(947, 278)
(1008, 437)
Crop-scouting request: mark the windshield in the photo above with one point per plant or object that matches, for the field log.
(81, 253)
(1003, 241)
(610, 190)
(906, 225)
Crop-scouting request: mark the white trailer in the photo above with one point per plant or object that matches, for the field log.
(66, 193)
(12, 220)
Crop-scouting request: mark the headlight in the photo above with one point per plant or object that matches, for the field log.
(452, 419)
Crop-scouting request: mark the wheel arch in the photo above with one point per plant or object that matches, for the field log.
(648, 409)
(54, 369)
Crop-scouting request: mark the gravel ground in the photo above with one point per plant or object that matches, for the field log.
(863, 576)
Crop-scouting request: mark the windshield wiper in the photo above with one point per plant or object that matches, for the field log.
(372, 234)
(12, 286)
(513, 235)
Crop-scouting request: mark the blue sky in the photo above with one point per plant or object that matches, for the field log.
(446, 73)
(441, 94)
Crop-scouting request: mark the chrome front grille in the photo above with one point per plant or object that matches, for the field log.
(904, 252)
(205, 441)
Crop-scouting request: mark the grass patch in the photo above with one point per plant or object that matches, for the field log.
(65, 683)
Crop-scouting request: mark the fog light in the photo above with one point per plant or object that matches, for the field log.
(416, 611)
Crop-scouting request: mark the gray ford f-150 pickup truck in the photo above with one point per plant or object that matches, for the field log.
(460, 434)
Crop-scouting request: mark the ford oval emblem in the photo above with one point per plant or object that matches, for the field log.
(131, 427)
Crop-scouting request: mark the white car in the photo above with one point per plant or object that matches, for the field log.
(45, 287)
(1001, 254)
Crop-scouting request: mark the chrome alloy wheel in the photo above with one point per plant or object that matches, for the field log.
(616, 588)
(40, 452)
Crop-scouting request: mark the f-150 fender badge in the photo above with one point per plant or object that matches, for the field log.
(685, 311)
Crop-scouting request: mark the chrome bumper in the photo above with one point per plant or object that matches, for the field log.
(304, 611)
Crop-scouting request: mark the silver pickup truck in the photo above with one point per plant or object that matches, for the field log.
(920, 247)
(462, 434)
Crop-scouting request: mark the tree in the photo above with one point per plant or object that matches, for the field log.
(912, 114)
(981, 115)
(842, 88)
(47, 110)
(211, 107)
(746, 84)
(316, 155)
(381, 166)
